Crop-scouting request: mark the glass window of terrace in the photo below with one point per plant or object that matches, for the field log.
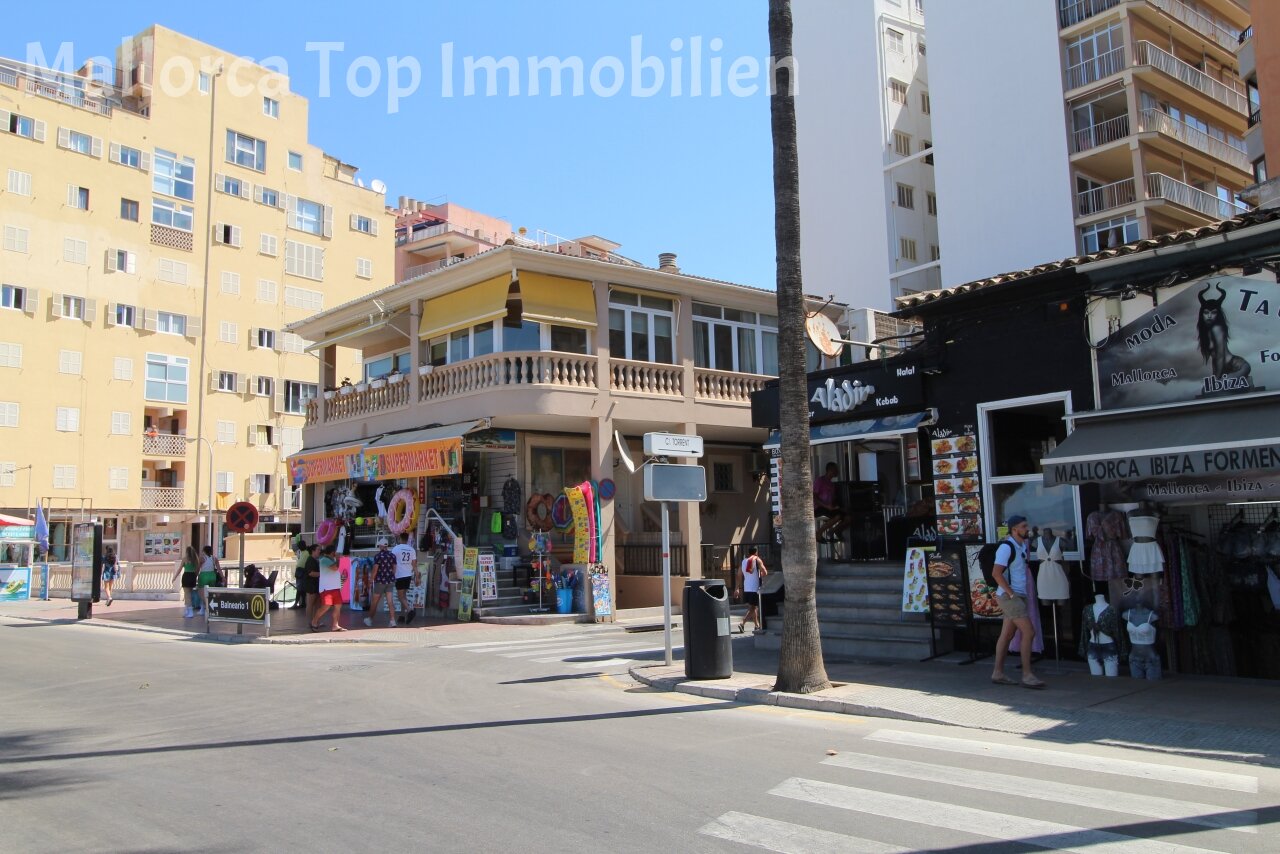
(730, 339)
(641, 327)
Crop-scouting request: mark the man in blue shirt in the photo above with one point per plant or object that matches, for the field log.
(1010, 574)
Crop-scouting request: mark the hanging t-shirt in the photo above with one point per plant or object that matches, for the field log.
(511, 495)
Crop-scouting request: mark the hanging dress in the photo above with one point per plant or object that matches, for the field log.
(1104, 531)
(1051, 580)
(1145, 556)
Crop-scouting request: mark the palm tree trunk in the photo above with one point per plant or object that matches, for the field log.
(800, 667)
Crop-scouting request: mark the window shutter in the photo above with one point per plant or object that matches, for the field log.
(246, 190)
(41, 129)
(150, 320)
(144, 162)
(275, 341)
(235, 235)
(193, 326)
(328, 220)
(253, 437)
(32, 300)
(73, 195)
(131, 262)
(5, 116)
(217, 233)
(291, 210)
(90, 309)
(213, 381)
(111, 313)
(257, 193)
(112, 265)
(242, 384)
(253, 338)
(373, 226)
(64, 137)
(219, 183)
(96, 148)
(277, 399)
(115, 152)
(137, 318)
(353, 222)
(55, 305)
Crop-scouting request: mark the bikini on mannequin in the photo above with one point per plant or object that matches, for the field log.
(1100, 640)
(1144, 661)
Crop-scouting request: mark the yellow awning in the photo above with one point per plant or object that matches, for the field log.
(468, 306)
(554, 299)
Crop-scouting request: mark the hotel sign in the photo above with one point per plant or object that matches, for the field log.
(865, 390)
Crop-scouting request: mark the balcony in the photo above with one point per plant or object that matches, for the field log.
(1163, 123)
(1230, 96)
(430, 267)
(1255, 116)
(163, 497)
(164, 445)
(1070, 14)
(1106, 197)
(423, 234)
(1100, 134)
(1224, 37)
(1161, 186)
(1093, 70)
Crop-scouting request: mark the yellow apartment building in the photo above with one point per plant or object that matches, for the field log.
(163, 223)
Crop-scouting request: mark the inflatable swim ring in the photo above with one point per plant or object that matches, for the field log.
(326, 531)
(537, 512)
(561, 515)
(400, 511)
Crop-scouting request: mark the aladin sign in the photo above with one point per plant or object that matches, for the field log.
(1218, 336)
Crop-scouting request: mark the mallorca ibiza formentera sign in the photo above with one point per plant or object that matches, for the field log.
(1216, 337)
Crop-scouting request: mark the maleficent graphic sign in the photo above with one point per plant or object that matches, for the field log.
(1216, 337)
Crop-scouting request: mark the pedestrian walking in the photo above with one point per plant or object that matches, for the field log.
(208, 576)
(331, 581)
(750, 573)
(384, 584)
(406, 570)
(311, 576)
(301, 553)
(110, 572)
(189, 570)
(1010, 573)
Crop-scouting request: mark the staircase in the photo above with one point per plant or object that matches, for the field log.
(510, 606)
(860, 614)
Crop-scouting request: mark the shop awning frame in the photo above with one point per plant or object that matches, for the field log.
(865, 430)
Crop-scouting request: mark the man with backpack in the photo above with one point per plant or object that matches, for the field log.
(1010, 575)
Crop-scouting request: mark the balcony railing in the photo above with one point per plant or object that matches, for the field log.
(1152, 119)
(163, 497)
(1093, 70)
(1106, 197)
(430, 267)
(1229, 95)
(726, 385)
(361, 402)
(1255, 116)
(164, 445)
(1100, 134)
(423, 233)
(1071, 13)
(646, 378)
(1161, 186)
(1200, 22)
(510, 370)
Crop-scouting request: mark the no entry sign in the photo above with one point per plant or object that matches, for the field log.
(242, 517)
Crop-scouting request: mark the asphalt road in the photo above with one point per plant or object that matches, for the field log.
(116, 740)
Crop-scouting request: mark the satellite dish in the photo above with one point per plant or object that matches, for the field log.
(378, 186)
(823, 333)
(622, 452)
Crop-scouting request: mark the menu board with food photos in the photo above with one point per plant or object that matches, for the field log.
(948, 591)
(957, 483)
(982, 596)
(915, 589)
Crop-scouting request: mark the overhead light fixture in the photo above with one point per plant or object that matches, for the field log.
(1250, 268)
(1129, 292)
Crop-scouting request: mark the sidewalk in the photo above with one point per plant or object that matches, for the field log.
(1233, 719)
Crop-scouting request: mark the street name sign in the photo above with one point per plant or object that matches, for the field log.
(672, 445)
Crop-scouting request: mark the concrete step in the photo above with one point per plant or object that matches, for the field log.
(860, 570)
(852, 613)
(865, 648)
(859, 585)
(882, 629)
(859, 599)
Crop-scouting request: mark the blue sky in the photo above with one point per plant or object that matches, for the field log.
(662, 173)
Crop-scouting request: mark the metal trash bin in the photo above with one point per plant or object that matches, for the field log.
(708, 647)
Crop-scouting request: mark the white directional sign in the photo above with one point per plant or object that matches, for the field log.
(672, 445)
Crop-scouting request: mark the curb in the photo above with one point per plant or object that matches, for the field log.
(286, 640)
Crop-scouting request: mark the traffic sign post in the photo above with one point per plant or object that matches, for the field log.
(242, 518)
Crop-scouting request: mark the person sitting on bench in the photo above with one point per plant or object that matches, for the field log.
(824, 504)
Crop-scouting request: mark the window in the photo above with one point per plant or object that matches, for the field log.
(920, 47)
(897, 91)
(383, 365)
(1108, 233)
(895, 41)
(172, 215)
(122, 369)
(931, 203)
(260, 484)
(81, 143)
(8, 472)
(727, 339)
(906, 196)
(72, 308)
(20, 125)
(268, 291)
(75, 251)
(290, 343)
(223, 481)
(118, 477)
(902, 143)
(926, 145)
(15, 239)
(205, 82)
(167, 378)
(295, 161)
(231, 186)
(227, 381)
(64, 477)
(641, 327)
(246, 151)
(307, 216)
(8, 414)
(297, 394)
(67, 419)
(567, 339)
(121, 423)
(266, 196)
(1260, 170)
(364, 224)
(364, 268)
(171, 323)
(173, 272)
(226, 433)
(303, 298)
(925, 106)
(268, 245)
(228, 332)
(10, 355)
(131, 157)
(126, 315)
(70, 362)
(303, 260)
(722, 477)
(129, 210)
(121, 261)
(19, 182)
(16, 298)
(77, 197)
(270, 107)
(1015, 436)
(264, 339)
(934, 252)
(230, 282)
(174, 176)
(264, 386)
(906, 249)
(226, 235)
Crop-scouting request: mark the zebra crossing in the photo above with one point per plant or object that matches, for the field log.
(1110, 801)
(580, 653)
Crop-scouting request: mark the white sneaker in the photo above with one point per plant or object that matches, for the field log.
(368, 621)
(188, 613)
(391, 624)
